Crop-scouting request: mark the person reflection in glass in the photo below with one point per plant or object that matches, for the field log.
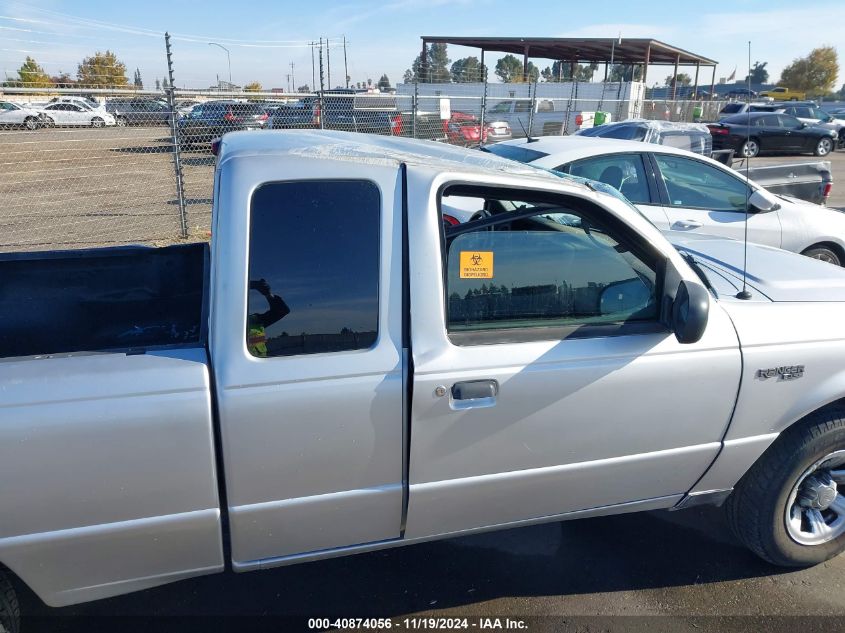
(257, 323)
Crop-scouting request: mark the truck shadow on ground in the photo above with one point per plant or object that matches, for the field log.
(590, 556)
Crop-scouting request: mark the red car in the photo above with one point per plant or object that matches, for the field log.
(464, 129)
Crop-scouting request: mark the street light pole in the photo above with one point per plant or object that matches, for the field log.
(228, 60)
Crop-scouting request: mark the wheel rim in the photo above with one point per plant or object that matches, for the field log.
(97, 122)
(30, 124)
(749, 150)
(824, 147)
(121, 122)
(815, 512)
(825, 257)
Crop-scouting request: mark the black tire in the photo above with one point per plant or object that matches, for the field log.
(824, 147)
(823, 253)
(48, 122)
(10, 612)
(120, 121)
(749, 149)
(30, 123)
(97, 122)
(756, 509)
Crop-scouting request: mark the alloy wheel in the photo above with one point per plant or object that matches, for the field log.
(815, 510)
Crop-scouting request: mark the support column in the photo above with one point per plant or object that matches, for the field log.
(483, 97)
(675, 78)
(697, 68)
(645, 66)
(525, 65)
(713, 82)
(424, 62)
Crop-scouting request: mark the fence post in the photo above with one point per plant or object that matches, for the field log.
(533, 107)
(177, 157)
(414, 108)
(483, 98)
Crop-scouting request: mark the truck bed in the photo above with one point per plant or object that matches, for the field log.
(125, 298)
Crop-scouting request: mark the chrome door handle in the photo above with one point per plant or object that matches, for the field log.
(686, 224)
(474, 394)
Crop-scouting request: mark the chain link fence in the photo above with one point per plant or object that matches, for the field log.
(95, 167)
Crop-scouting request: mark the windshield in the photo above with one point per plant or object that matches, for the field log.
(518, 153)
(622, 132)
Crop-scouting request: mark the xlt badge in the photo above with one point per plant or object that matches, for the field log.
(788, 372)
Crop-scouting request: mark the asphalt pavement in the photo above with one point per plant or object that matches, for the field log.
(657, 571)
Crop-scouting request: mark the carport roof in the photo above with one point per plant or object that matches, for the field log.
(578, 49)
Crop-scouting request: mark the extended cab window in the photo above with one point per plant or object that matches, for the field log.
(545, 268)
(313, 267)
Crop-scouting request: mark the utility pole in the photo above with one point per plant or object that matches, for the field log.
(345, 69)
(177, 160)
(313, 76)
(292, 78)
(322, 87)
(329, 63)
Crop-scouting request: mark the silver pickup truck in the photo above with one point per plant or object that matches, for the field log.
(347, 372)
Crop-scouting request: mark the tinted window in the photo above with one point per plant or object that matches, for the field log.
(624, 132)
(515, 152)
(789, 122)
(694, 184)
(731, 108)
(522, 106)
(504, 106)
(770, 120)
(623, 172)
(313, 267)
(555, 268)
(247, 109)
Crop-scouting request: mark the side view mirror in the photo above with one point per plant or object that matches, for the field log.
(762, 202)
(690, 310)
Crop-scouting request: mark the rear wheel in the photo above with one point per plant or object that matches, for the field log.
(30, 123)
(120, 121)
(97, 122)
(789, 508)
(10, 613)
(823, 147)
(823, 253)
(750, 148)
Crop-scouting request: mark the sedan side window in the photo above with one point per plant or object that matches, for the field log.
(697, 185)
(542, 268)
(624, 172)
(789, 122)
(504, 106)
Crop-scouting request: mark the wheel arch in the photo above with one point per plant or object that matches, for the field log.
(834, 246)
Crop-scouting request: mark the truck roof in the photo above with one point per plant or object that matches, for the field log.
(374, 149)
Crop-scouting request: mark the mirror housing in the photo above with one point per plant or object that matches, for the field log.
(690, 310)
(760, 202)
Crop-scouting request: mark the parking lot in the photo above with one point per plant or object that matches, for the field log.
(71, 188)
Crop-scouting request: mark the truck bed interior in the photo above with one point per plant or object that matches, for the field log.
(127, 298)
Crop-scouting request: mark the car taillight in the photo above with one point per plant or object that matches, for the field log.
(264, 117)
(826, 191)
(579, 119)
(315, 114)
(718, 130)
(396, 125)
(229, 117)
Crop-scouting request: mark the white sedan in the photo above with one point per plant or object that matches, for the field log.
(14, 115)
(681, 191)
(76, 114)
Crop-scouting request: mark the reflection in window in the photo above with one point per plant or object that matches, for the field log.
(553, 268)
(313, 268)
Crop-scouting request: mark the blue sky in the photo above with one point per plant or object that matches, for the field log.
(383, 37)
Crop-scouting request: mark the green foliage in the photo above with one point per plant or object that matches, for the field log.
(758, 74)
(30, 75)
(625, 72)
(253, 86)
(509, 69)
(816, 72)
(383, 83)
(102, 70)
(436, 66)
(681, 79)
(562, 71)
(467, 70)
(138, 82)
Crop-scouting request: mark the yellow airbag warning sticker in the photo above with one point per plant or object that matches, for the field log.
(476, 264)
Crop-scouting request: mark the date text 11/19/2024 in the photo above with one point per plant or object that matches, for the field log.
(418, 624)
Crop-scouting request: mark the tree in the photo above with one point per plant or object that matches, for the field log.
(436, 66)
(467, 69)
(562, 71)
(408, 77)
(63, 80)
(137, 81)
(369, 83)
(158, 84)
(102, 70)
(758, 74)
(384, 83)
(31, 75)
(816, 72)
(625, 72)
(510, 70)
(304, 88)
(681, 79)
(253, 86)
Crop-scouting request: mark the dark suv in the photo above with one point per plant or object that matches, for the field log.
(139, 111)
(207, 121)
